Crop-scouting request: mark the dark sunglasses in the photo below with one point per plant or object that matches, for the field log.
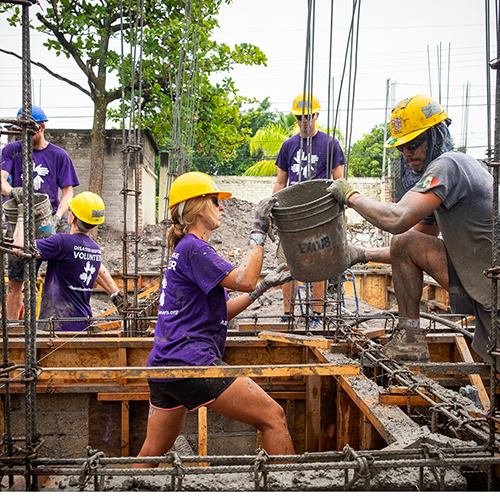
(410, 146)
(215, 201)
(306, 117)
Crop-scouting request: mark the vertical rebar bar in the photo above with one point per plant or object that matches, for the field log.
(29, 238)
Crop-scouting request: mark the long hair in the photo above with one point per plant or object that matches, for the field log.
(178, 230)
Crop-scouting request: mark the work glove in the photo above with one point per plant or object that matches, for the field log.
(55, 220)
(262, 221)
(356, 255)
(277, 277)
(17, 194)
(20, 212)
(118, 300)
(341, 191)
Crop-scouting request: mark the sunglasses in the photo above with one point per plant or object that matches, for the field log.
(410, 146)
(306, 117)
(215, 201)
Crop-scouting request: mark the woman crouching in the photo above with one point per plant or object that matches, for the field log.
(194, 310)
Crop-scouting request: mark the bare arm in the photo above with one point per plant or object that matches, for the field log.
(6, 187)
(105, 280)
(238, 304)
(338, 172)
(281, 180)
(67, 194)
(245, 277)
(396, 218)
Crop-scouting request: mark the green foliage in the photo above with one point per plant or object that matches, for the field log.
(366, 155)
(264, 168)
(85, 31)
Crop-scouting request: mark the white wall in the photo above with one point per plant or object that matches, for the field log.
(254, 189)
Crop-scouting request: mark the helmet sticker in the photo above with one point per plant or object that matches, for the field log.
(97, 213)
(431, 109)
(397, 125)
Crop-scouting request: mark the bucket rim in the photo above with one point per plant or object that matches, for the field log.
(300, 230)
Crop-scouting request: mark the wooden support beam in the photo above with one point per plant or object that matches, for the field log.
(475, 380)
(348, 415)
(125, 431)
(54, 375)
(202, 433)
(301, 340)
(393, 425)
(399, 396)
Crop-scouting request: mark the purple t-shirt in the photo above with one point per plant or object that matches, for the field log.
(52, 169)
(192, 312)
(73, 263)
(288, 157)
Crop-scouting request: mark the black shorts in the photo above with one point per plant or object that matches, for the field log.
(188, 392)
(15, 267)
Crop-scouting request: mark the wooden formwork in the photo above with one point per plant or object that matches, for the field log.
(327, 400)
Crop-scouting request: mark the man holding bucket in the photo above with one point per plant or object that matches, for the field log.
(52, 170)
(310, 154)
(459, 191)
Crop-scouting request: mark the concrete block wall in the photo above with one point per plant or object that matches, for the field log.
(77, 144)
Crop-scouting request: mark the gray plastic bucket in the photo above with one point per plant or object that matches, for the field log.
(310, 224)
(42, 210)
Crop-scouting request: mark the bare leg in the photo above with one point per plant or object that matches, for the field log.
(412, 254)
(287, 295)
(246, 402)
(14, 299)
(163, 428)
(382, 255)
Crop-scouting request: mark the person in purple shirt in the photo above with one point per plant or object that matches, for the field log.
(74, 266)
(53, 170)
(193, 314)
(326, 160)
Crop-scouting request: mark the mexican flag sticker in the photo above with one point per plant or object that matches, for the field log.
(428, 182)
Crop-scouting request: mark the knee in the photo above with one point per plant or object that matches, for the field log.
(401, 245)
(275, 418)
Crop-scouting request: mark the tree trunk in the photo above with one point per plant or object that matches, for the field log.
(97, 143)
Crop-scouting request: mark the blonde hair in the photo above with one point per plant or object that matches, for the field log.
(178, 230)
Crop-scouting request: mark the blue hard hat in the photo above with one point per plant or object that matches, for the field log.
(37, 114)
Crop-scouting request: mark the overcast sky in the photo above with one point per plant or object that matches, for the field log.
(394, 39)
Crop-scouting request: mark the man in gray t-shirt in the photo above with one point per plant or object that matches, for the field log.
(460, 194)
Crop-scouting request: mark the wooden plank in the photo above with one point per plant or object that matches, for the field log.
(252, 327)
(313, 415)
(202, 433)
(302, 340)
(123, 396)
(122, 360)
(391, 422)
(347, 421)
(287, 395)
(475, 380)
(125, 431)
(113, 373)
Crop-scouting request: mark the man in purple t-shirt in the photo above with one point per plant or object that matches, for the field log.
(310, 154)
(52, 170)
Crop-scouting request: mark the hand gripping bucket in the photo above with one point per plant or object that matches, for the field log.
(310, 224)
(42, 210)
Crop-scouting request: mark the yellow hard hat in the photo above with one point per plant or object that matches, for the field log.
(307, 106)
(192, 185)
(88, 207)
(413, 116)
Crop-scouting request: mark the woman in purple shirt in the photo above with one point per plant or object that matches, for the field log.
(193, 313)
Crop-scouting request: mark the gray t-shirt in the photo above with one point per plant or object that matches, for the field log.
(464, 218)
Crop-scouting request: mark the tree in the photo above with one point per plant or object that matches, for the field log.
(252, 120)
(365, 159)
(85, 32)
